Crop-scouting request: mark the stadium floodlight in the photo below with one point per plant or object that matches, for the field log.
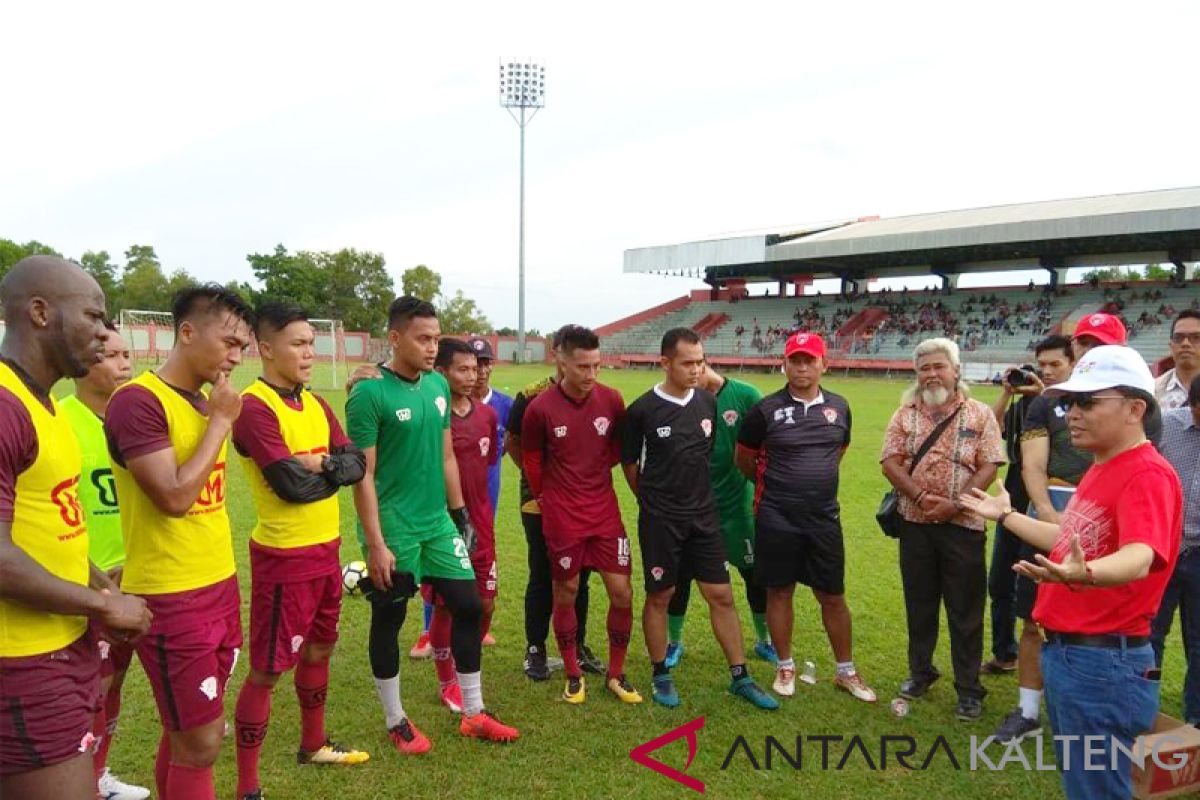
(523, 89)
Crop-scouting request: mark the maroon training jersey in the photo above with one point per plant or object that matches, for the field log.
(476, 449)
(580, 443)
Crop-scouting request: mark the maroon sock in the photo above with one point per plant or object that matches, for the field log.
(99, 748)
(312, 683)
(162, 764)
(250, 723)
(620, 623)
(565, 628)
(439, 639)
(190, 783)
(112, 712)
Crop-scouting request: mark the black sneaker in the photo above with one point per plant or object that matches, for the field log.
(969, 709)
(257, 794)
(916, 688)
(536, 668)
(1016, 727)
(588, 661)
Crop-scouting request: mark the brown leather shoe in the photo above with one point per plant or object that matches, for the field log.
(996, 667)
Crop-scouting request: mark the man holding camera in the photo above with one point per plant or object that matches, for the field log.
(1024, 384)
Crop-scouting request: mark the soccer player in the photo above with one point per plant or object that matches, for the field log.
(106, 549)
(49, 662)
(570, 441)
(539, 593)
(473, 428)
(667, 441)
(296, 457)
(167, 441)
(498, 401)
(735, 508)
(792, 442)
(402, 424)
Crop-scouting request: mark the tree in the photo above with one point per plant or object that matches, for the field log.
(357, 288)
(143, 284)
(180, 279)
(1157, 272)
(1151, 272)
(11, 252)
(296, 278)
(420, 281)
(460, 314)
(98, 264)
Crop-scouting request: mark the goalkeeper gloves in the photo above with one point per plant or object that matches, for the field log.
(465, 529)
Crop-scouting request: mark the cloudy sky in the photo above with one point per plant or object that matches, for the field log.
(215, 130)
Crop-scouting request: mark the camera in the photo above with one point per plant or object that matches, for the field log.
(1022, 376)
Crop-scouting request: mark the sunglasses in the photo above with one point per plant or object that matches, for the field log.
(1180, 338)
(1086, 400)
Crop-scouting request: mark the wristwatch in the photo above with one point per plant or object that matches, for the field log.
(1003, 514)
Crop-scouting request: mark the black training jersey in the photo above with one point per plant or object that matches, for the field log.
(672, 440)
(801, 448)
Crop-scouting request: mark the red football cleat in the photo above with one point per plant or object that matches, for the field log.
(452, 697)
(485, 726)
(408, 739)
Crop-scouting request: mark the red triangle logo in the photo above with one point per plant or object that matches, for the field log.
(641, 754)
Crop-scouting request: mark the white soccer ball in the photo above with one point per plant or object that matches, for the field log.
(352, 573)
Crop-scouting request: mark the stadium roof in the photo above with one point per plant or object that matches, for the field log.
(1136, 228)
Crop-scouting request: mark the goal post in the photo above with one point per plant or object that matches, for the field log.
(149, 334)
(330, 371)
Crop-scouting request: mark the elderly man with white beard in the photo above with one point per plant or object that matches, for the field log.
(941, 544)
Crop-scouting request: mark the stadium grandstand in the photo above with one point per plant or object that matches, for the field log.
(762, 284)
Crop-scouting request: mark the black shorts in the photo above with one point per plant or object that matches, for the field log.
(799, 546)
(671, 547)
(1025, 590)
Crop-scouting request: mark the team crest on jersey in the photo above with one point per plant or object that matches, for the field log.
(87, 742)
(208, 687)
(485, 446)
(601, 424)
(706, 426)
(730, 417)
(104, 648)
(560, 432)
(297, 640)
(656, 573)
(664, 431)
(404, 414)
(440, 402)
(831, 415)
(565, 562)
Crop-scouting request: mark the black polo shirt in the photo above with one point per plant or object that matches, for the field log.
(672, 439)
(802, 446)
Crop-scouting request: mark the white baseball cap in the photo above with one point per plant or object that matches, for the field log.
(1106, 367)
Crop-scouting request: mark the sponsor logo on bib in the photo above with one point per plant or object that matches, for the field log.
(664, 431)
(560, 432)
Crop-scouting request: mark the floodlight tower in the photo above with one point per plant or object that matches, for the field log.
(522, 86)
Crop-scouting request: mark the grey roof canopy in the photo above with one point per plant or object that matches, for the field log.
(1142, 227)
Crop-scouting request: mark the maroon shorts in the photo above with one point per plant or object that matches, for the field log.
(484, 562)
(189, 667)
(283, 616)
(601, 553)
(48, 705)
(114, 656)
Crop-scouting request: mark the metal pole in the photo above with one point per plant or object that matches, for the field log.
(521, 255)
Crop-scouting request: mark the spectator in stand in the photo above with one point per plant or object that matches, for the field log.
(1171, 388)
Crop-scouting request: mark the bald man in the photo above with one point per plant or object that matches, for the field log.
(49, 665)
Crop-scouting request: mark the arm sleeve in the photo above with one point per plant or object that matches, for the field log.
(532, 440)
(632, 435)
(895, 437)
(293, 483)
(991, 448)
(754, 428)
(1145, 514)
(135, 425)
(1037, 416)
(18, 449)
(619, 421)
(362, 414)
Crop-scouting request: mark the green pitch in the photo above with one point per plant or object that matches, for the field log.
(583, 752)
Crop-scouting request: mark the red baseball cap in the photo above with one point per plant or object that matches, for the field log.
(1105, 327)
(802, 342)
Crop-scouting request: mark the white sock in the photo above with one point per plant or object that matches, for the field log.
(787, 663)
(845, 668)
(1031, 700)
(472, 692)
(388, 690)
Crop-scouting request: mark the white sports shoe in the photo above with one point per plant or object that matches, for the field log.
(785, 682)
(110, 788)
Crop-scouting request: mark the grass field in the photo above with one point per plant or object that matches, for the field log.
(583, 752)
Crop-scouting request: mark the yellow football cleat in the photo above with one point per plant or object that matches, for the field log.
(576, 691)
(330, 753)
(624, 690)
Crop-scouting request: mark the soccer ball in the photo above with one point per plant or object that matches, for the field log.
(352, 573)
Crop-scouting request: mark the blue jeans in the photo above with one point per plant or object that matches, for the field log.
(1183, 592)
(1098, 691)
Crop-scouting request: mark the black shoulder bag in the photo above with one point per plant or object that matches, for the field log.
(888, 515)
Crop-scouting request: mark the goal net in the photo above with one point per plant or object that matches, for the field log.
(151, 335)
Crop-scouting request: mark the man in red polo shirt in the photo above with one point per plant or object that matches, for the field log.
(1111, 555)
